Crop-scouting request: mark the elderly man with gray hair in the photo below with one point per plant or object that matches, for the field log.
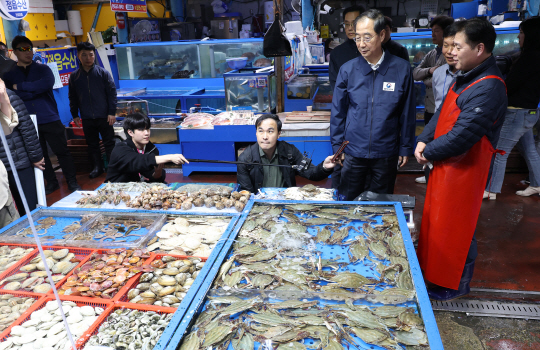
(373, 108)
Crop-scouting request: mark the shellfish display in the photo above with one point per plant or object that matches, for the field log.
(32, 277)
(104, 274)
(45, 329)
(193, 236)
(219, 198)
(12, 307)
(168, 284)
(11, 255)
(130, 329)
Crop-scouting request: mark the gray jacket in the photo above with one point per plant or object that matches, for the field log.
(442, 80)
(23, 141)
(421, 73)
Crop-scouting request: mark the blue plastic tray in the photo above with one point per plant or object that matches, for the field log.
(423, 304)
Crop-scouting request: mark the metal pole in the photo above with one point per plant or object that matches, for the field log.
(278, 68)
(40, 184)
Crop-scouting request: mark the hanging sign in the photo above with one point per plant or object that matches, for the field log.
(64, 58)
(13, 9)
(127, 5)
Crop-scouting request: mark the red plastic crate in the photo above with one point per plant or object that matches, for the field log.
(120, 292)
(25, 246)
(80, 253)
(134, 282)
(43, 301)
(35, 296)
(95, 327)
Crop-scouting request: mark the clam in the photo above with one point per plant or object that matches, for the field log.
(60, 254)
(166, 291)
(39, 274)
(61, 266)
(12, 286)
(28, 268)
(171, 271)
(148, 294)
(143, 286)
(41, 265)
(42, 288)
(133, 293)
(166, 280)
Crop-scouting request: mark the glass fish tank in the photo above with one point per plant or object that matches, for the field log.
(123, 108)
(420, 43)
(186, 59)
(251, 90)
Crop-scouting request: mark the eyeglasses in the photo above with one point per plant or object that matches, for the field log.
(24, 49)
(365, 38)
(347, 25)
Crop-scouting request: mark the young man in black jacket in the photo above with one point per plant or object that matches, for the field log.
(268, 150)
(93, 93)
(137, 159)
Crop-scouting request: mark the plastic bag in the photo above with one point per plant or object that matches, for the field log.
(275, 44)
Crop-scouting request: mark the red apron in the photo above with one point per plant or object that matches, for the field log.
(453, 200)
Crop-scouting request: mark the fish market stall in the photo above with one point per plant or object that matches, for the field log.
(313, 274)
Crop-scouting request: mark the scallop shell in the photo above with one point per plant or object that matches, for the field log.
(12, 286)
(52, 305)
(166, 281)
(42, 288)
(165, 234)
(60, 254)
(87, 311)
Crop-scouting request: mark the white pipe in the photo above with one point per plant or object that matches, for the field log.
(40, 184)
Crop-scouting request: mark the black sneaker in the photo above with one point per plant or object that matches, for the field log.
(51, 187)
(74, 186)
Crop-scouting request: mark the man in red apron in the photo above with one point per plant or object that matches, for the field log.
(459, 142)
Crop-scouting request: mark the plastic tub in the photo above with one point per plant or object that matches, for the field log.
(237, 63)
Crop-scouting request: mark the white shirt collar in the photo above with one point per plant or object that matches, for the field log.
(376, 65)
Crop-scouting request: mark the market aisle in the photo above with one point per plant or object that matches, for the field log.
(507, 231)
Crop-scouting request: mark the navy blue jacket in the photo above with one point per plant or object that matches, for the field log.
(374, 110)
(36, 90)
(92, 93)
(483, 107)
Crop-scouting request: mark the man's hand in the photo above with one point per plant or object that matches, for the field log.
(177, 159)
(40, 164)
(339, 160)
(77, 121)
(328, 163)
(419, 153)
(402, 160)
(111, 119)
(432, 69)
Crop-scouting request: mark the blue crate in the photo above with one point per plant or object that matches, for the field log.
(203, 282)
(423, 303)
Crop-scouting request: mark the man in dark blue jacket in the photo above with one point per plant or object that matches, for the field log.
(373, 108)
(93, 94)
(34, 82)
(459, 140)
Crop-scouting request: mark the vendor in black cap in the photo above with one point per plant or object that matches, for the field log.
(268, 150)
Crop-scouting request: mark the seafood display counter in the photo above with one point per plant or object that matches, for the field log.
(312, 274)
(297, 274)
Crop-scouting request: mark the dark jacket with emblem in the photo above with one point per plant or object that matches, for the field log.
(127, 163)
(374, 110)
(23, 141)
(483, 107)
(250, 177)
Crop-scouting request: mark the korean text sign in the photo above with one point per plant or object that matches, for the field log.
(65, 58)
(128, 5)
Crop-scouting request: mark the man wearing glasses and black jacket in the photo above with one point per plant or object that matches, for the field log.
(34, 82)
